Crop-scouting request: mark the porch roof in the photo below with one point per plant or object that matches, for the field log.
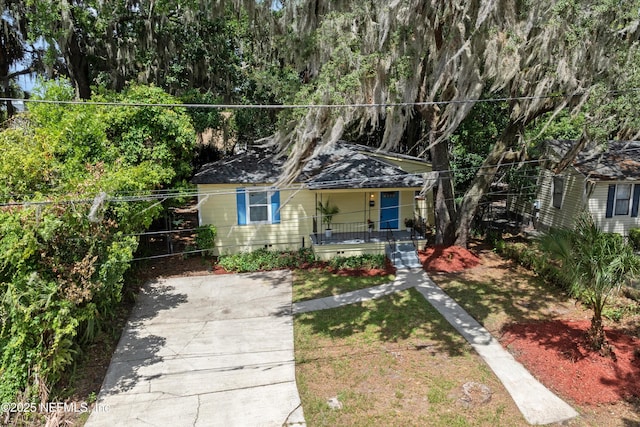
(336, 166)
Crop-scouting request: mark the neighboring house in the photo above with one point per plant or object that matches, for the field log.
(373, 190)
(605, 182)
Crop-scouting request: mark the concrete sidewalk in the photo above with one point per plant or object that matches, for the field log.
(205, 351)
(537, 404)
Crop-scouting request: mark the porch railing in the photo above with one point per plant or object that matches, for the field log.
(359, 232)
(391, 242)
(347, 231)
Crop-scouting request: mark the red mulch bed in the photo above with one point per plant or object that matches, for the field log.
(556, 353)
(447, 259)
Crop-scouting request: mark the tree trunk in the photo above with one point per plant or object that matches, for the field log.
(482, 181)
(445, 205)
(444, 198)
(75, 55)
(595, 335)
(6, 88)
(78, 67)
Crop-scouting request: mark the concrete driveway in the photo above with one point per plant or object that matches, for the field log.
(205, 351)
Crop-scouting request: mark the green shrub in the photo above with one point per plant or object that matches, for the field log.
(530, 257)
(366, 261)
(205, 238)
(264, 259)
(63, 259)
(634, 238)
(493, 236)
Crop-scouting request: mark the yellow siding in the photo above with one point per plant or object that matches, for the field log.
(409, 166)
(218, 207)
(354, 204)
(326, 252)
(297, 213)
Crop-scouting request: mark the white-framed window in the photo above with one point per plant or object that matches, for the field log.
(558, 189)
(258, 205)
(622, 200)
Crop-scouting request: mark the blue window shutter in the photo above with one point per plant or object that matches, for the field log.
(275, 207)
(241, 206)
(636, 200)
(610, 200)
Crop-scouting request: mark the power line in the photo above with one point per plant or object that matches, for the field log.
(298, 106)
(281, 106)
(180, 193)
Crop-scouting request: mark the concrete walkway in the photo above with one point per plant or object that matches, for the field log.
(205, 351)
(537, 404)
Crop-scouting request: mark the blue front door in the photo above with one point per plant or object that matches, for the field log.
(389, 209)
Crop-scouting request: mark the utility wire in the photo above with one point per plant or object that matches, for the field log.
(279, 106)
(179, 193)
(297, 106)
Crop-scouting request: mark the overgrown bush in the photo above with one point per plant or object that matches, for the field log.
(205, 238)
(264, 259)
(634, 238)
(66, 241)
(366, 261)
(529, 256)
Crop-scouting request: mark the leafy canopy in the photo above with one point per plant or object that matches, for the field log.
(65, 244)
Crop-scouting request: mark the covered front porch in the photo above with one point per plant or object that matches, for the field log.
(351, 239)
(349, 233)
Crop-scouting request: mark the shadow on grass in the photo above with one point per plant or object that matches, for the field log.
(392, 318)
(521, 297)
(317, 283)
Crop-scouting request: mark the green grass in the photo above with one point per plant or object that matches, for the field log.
(317, 283)
(513, 297)
(398, 316)
(391, 361)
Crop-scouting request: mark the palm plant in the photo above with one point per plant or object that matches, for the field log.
(328, 211)
(595, 265)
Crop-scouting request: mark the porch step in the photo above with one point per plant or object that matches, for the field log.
(405, 256)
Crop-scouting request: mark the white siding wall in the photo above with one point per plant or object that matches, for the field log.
(573, 199)
(598, 207)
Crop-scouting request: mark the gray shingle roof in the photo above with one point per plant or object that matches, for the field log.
(618, 160)
(340, 165)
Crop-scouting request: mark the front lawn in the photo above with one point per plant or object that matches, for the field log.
(396, 361)
(393, 361)
(318, 282)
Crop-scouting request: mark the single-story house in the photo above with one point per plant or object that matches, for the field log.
(603, 181)
(374, 192)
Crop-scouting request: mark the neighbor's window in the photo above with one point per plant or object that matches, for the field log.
(258, 206)
(558, 188)
(623, 195)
